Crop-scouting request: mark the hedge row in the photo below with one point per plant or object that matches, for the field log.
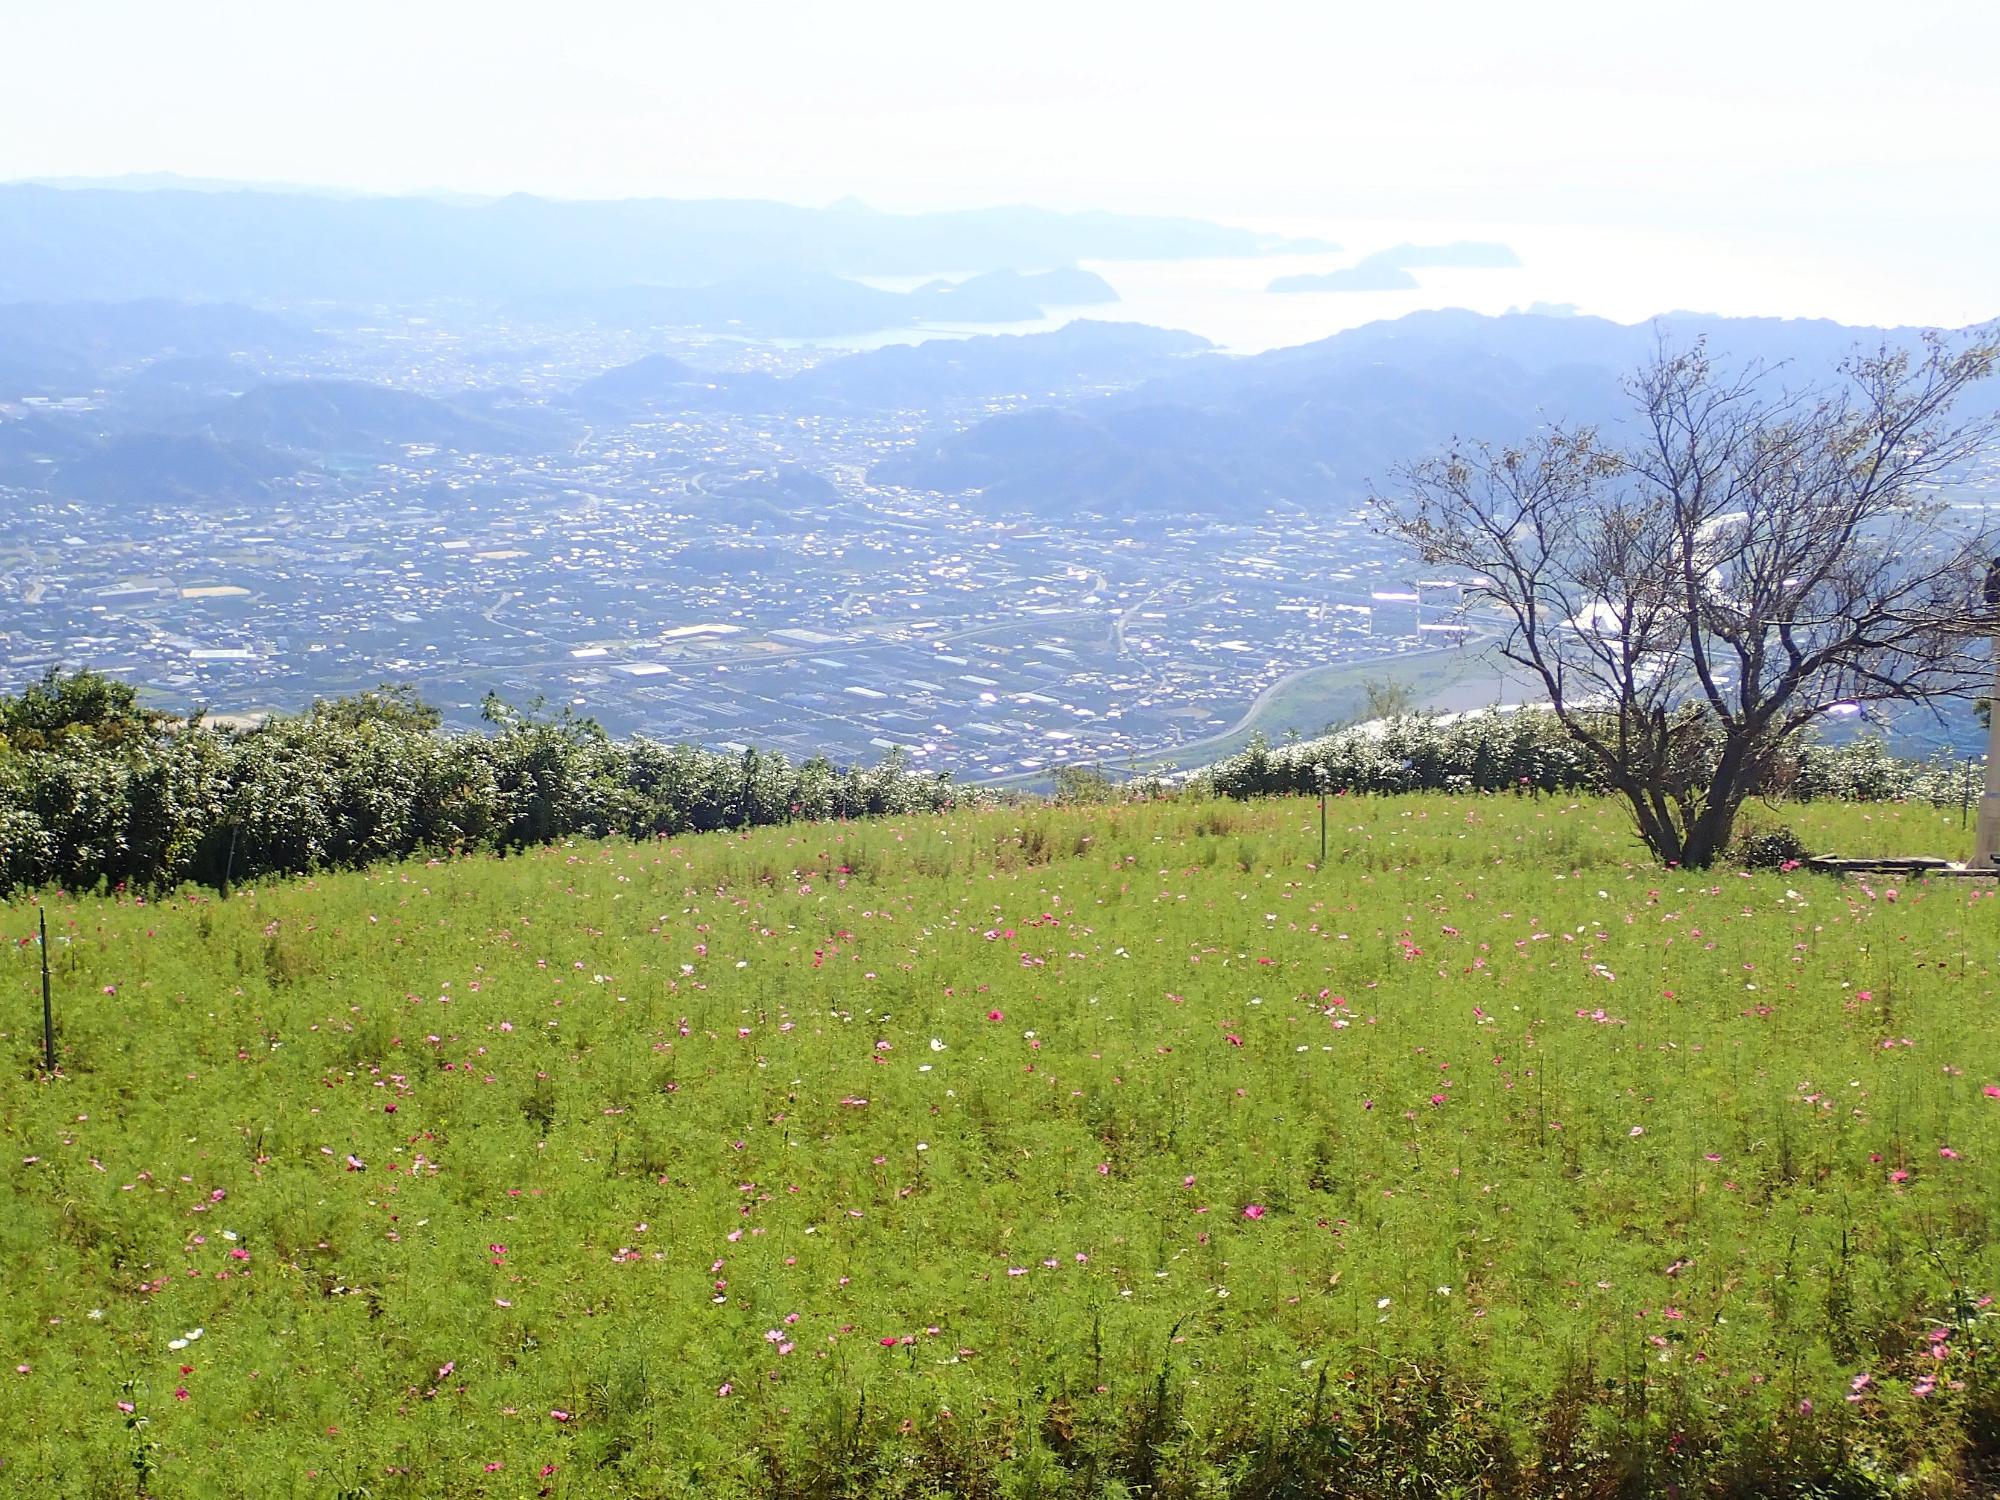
(334, 789)
(1529, 752)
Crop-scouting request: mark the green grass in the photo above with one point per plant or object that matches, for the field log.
(1570, 1175)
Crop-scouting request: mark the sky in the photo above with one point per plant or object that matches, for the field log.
(1863, 126)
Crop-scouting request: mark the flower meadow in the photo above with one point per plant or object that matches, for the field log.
(1016, 1151)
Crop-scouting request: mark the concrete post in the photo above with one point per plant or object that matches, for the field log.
(1986, 846)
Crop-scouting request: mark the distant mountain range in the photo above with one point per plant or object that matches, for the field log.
(187, 425)
(157, 439)
(65, 348)
(1079, 355)
(989, 367)
(1082, 354)
(70, 243)
(1094, 419)
(343, 417)
(156, 467)
(1317, 425)
(788, 302)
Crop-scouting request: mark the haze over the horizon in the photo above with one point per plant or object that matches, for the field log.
(1821, 127)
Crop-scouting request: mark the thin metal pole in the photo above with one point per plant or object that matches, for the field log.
(1986, 837)
(48, 1005)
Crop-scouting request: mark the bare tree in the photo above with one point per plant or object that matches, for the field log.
(1694, 599)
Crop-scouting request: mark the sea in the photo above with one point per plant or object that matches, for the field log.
(1626, 275)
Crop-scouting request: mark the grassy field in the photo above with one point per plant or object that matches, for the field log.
(1020, 1152)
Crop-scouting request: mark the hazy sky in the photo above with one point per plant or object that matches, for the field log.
(1825, 117)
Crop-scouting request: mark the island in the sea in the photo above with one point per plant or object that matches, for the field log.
(1389, 270)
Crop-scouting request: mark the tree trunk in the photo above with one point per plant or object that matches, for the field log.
(1708, 836)
(1708, 832)
(1657, 833)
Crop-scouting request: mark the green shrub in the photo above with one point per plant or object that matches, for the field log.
(1769, 848)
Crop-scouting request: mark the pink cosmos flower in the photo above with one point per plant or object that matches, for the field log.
(558, 1414)
(1253, 1211)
